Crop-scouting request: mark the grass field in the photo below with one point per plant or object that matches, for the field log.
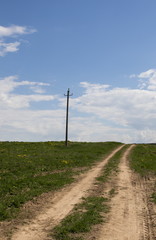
(143, 161)
(29, 169)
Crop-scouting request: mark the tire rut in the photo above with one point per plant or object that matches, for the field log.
(130, 216)
(149, 215)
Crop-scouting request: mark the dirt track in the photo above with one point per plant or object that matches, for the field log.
(132, 215)
(61, 205)
(129, 218)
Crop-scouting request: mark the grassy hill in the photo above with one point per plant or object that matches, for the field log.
(29, 169)
(143, 161)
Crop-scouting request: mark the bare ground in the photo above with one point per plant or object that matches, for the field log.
(54, 208)
(132, 215)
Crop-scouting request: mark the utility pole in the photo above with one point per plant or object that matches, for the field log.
(67, 111)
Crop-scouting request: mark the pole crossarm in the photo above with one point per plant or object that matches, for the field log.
(68, 93)
(67, 113)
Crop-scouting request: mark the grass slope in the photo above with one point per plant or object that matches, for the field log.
(143, 161)
(29, 169)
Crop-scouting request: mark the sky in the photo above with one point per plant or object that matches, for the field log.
(103, 50)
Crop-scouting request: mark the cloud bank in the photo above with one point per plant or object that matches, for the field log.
(101, 113)
(10, 99)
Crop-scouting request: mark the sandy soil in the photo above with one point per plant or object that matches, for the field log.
(58, 207)
(131, 212)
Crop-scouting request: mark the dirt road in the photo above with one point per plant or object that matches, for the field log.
(129, 216)
(61, 205)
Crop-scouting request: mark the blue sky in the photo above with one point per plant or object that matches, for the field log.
(104, 51)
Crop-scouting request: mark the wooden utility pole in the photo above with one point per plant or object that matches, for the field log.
(67, 111)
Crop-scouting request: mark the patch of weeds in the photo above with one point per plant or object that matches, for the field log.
(85, 215)
(112, 192)
(111, 166)
(154, 197)
(143, 159)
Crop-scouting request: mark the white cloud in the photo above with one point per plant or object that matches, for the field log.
(147, 80)
(101, 113)
(15, 30)
(147, 74)
(10, 99)
(37, 89)
(127, 114)
(8, 84)
(93, 88)
(12, 32)
(8, 47)
(23, 101)
(28, 125)
(91, 129)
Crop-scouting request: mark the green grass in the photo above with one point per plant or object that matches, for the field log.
(143, 161)
(112, 165)
(154, 197)
(29, 169)
(86, 214)
(91, 211)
